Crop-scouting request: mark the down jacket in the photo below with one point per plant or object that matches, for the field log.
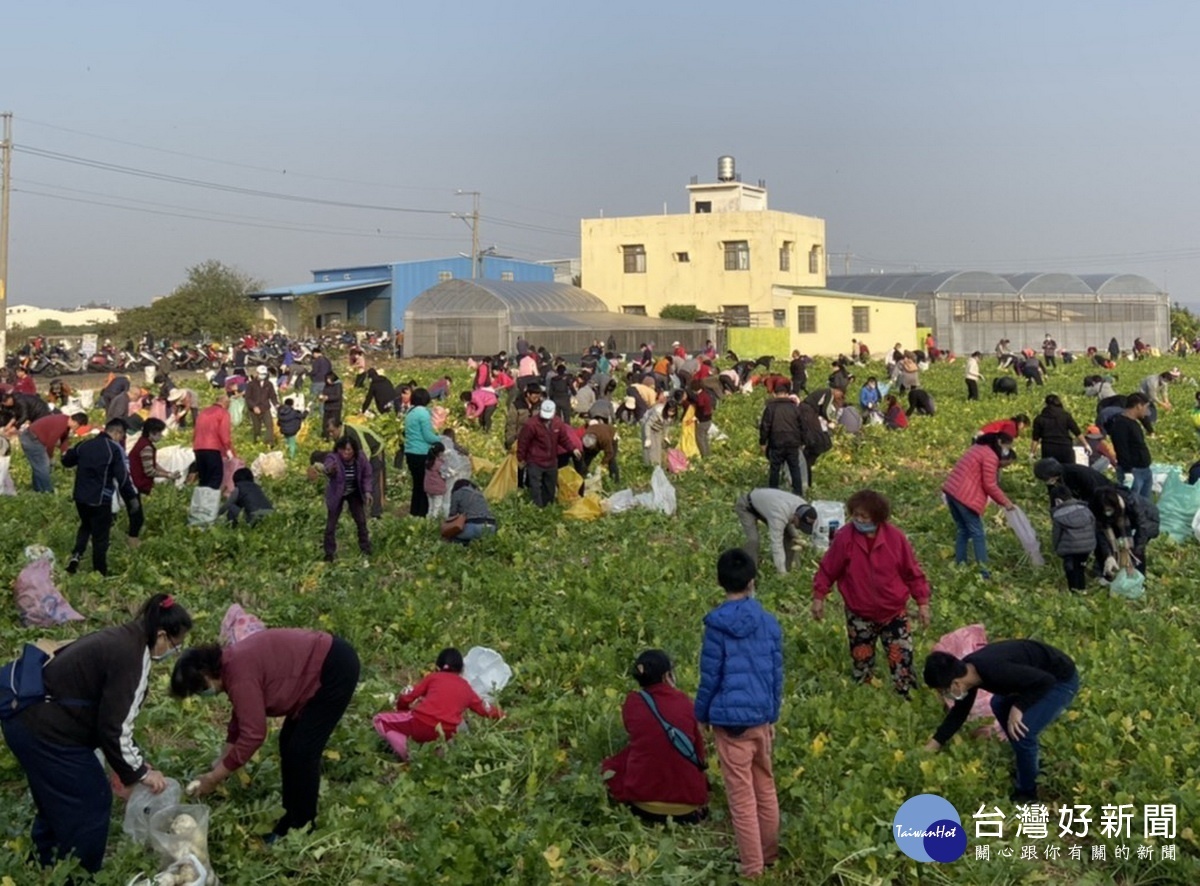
(741, 666)
(1073, 528)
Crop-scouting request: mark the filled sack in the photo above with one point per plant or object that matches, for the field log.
(39, 602)
(205, 505)
(269, 464)
(1177, 507)
(238, 624)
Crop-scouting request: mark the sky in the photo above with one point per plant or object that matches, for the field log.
(279, 138)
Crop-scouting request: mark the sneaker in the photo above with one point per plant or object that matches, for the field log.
(73, 564)
(1024, 796)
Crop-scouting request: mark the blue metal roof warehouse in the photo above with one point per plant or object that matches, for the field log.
(377, 296)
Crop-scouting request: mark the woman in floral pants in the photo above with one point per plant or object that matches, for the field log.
(873, 565)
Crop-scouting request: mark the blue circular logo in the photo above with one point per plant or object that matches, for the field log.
(928, 828)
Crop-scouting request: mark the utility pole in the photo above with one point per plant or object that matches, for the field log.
(5, 187)
(474, 223)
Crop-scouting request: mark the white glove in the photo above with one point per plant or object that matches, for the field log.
(1110, 566)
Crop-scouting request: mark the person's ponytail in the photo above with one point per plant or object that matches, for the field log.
(162, 613)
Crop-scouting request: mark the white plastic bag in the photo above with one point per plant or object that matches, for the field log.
(7, 487)
(269, 464)
(179, 831)
(87, 398)
(1196, 526)
(142, 805)
(176, 459)
(827, 512)
(1025, 534)
(486, 671)
(663, 492)
(622, 501)
(715, 434)
(204, 507)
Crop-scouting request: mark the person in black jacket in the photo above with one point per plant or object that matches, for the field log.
(291, 420)
(1129, 443)
(380, 391)
(1081, 482)
(1031, 684)
(1055, 429)
(100, 463)
(95, 687)
(1124, 521)
(798, 368)
(247, 497)
(20, 409)
(781, 438)
(331, 404)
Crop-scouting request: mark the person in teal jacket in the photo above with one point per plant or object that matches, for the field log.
(419, 435)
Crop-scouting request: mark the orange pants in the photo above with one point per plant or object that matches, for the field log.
(750, 789)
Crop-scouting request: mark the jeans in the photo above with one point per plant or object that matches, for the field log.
(39, 461)
(970, 528)
(473, 531)
(1040, 715)
(71, 796)
(1143, 482)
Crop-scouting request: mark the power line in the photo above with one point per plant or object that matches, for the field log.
(215, 186)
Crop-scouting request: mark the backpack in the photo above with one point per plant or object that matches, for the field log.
(1074, 528)
(22, 684)
(678, 738)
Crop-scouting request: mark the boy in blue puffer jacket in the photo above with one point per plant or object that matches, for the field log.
(741, 685)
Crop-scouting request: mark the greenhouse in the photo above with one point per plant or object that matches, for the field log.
(461, 318)
(973, 310)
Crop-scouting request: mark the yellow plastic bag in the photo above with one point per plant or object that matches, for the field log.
(504, 482)
(687, 437)
(569, 482)
(587, 508)
(481, 465)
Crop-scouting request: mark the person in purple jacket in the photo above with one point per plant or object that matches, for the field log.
(349, 472)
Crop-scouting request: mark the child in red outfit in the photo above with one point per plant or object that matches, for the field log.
(443, 696)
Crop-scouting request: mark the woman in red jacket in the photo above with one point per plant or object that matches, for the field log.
(876, 571)
(651, 774)
(968, 488)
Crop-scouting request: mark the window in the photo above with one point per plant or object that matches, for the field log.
(703, 206)
(638, 310)
(780, 318)
(862, 320)
(682, 257)
(785, 256)
(736, 315)
(737, 255)
(443, 276)
(635, 258)
(806, 318)
(814, 259)
(506, 275)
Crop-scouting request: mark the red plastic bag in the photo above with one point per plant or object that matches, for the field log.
(238, 624)
(961, 643)
(438, 415)
(677, 462)
(231, 465)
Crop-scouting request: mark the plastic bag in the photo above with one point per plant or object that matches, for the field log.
(486, 671)
(38, 600)
(1159, 474)
(269, 464)
(1177, 507)
(663, 492)
(481, 465)
(1128, 583)
(1025, 534)
(237, 411)
(586, 508)
(142, 805)
(87, 399)
(179, 831)
(504, 481)
(230, 466)
(438, 415)
(960, 643)
(569, 482)
(677, 461)
(715, 434)
(176, 459)
(1196, 526)
(827, 512)
(238, 624)
(7, 487)
(204, 506)
(619, 502)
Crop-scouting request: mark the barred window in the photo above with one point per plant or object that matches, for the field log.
(635, 258)
(737, 255)
(806, 317)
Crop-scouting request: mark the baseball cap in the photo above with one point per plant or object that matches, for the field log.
(548, 409)
(262, 371)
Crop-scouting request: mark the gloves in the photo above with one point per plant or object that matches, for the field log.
(1110, 567)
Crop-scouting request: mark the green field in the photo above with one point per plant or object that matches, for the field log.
(570, 605)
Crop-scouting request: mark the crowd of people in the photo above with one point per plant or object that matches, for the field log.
(555, 417)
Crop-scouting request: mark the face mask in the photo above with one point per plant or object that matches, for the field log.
(172, 651)
(1005, 452)
(953, 696)
(863, 526)
(1109, 512)
(207, 692)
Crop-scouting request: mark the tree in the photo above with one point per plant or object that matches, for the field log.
(212, 302)
(1184, 322)
(686, 313)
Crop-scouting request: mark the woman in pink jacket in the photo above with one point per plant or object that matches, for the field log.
(968, 488)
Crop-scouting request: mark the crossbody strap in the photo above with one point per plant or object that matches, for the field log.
(667, 727)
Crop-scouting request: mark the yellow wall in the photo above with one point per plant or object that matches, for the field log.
(890, 322)
(703, 280)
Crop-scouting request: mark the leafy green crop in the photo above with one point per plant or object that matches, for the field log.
(571, 604)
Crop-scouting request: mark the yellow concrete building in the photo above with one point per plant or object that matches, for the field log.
(760, 272)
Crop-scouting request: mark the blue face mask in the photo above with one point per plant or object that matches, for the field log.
(863, 526)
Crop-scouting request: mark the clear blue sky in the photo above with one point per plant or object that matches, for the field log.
(1008, 137)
